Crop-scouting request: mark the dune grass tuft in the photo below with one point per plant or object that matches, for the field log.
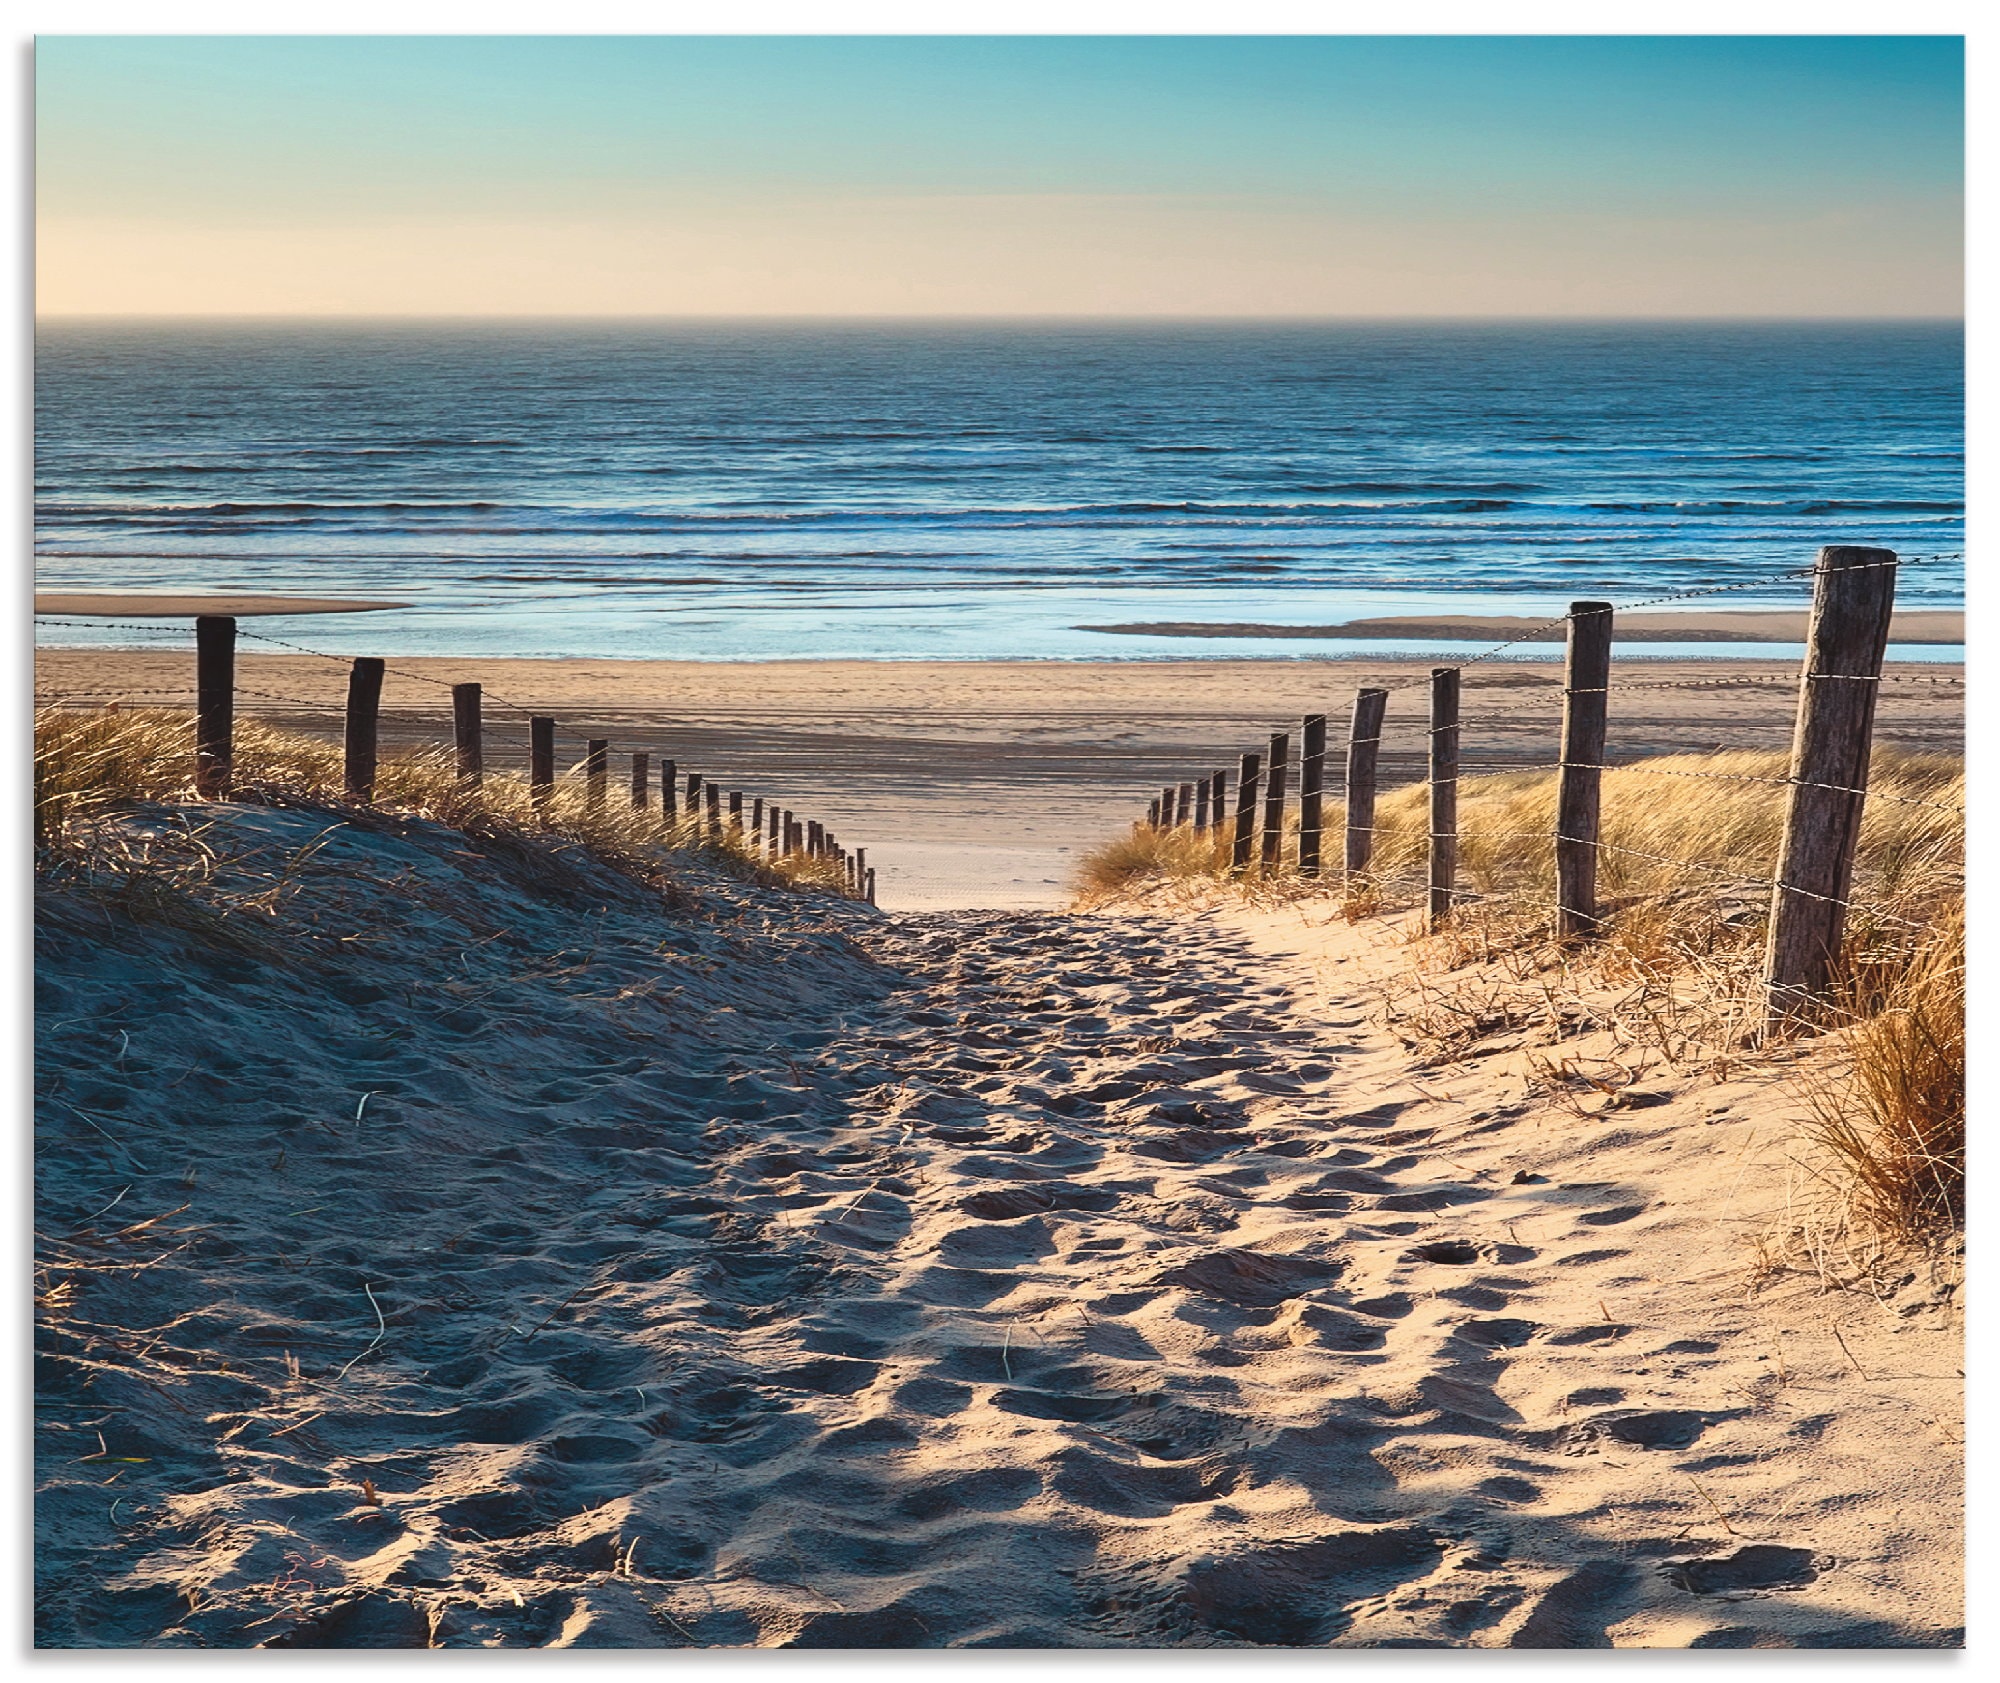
(93, 764)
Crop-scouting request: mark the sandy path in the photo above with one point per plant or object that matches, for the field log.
(976, 783)
(1022, 1280)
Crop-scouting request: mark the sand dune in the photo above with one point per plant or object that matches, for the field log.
(542, 1265)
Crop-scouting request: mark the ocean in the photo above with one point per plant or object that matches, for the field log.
(759, 490)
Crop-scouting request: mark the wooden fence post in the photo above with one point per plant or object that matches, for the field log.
(670, 804)
(360, 740)
(1274, 803)
(1183, 805)
(871, 885)
(642, 781)
(1246, 814)
(711, 796)
(541, 759)
(1201, 807)
(813, 835)
(1586, 692)
(1312, 779)
(757, 822)
(693, 787)
(1444, 792)
(1153, 813)
(1364, 744)
(860, 865)
(467, 732)
(778, 820)
(1854, 593)
(736, 814)
(596, 770)
(1218, 788)
(1167, 807)
(214, 704)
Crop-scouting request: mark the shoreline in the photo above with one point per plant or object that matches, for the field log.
(1916, 626)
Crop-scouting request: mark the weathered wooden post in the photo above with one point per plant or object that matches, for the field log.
(711, 795)
(861, 872)
(361, 738)
(642, 781)
(1444, 792)
(1312, 779)
(1364, 744)
(1153, 813)
(1183, 804)
(1218, 789)
(1854, 593)
(871, 885)
(1586, 692)
(813, 837)
(541, 760)
(1246, 814)
(757, 821)
(1201, 807)
(736, 814)
(1274, 804)
(1167, 807)
(596, 770)
(214, 704)
(468, 733)
(670, 804)
(778, 820)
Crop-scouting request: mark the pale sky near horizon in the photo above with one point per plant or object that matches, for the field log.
(1101, 176)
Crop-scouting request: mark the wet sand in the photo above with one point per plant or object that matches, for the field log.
(977, 783)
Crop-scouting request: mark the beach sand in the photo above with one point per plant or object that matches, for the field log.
(132, 604)
(978, 783)
(469, 1250)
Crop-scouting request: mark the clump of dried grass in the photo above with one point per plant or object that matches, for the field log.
(1891, 1111)
(91, 765)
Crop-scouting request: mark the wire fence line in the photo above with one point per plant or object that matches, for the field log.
(1825, 790)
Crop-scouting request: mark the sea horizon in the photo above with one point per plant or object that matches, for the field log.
(765, 488)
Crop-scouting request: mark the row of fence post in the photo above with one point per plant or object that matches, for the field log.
(783, 835)
(1847, 637)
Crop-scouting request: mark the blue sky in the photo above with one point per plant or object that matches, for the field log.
(1072, 175)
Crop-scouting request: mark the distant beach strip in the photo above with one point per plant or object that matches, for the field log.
(1939, 626)
(138, 605)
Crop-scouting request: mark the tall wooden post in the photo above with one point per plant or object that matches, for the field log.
(1153, 813)
(670, 805)
(360, 740)
(1586, 691)
(214, 704)
(1364, 744)
(1218, 789)
(541, 759)
(596, 770)
(870, 894)
(467, 732)
(1854, 593)
(1444, 792)
(711, 796)
(1201, 807)
(778, 818)
(1246, 814)
(1274, 802)
(1167, 807)
(1183, 805)
(642, 782)
(694, 802)
(1312, 779)
(736, 814)
(757, 822)
(814, 835)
